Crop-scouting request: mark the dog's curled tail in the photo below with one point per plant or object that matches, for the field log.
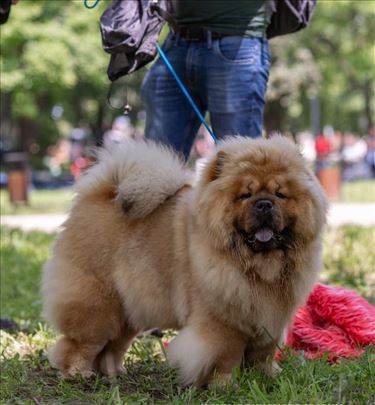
(140, 174)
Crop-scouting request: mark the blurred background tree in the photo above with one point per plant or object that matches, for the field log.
(332, 61)
(53, 73)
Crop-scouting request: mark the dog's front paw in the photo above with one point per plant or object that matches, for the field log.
(270, 368)
(110, 365)
(221, 382)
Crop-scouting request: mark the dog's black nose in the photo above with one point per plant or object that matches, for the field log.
(263, 205)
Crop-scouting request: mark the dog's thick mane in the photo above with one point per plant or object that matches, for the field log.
(140, 174)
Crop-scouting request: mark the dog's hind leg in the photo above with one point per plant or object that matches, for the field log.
(87, 323)
(110, 360)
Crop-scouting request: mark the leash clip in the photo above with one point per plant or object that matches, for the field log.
(125, 107)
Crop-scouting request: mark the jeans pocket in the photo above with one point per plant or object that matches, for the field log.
(238, 50)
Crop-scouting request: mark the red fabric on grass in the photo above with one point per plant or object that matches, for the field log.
(334, 320)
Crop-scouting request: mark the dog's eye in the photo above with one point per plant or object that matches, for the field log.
(280, 195)
(245, 196)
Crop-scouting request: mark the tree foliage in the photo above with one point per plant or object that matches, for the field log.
(333, 59)
(51, 54)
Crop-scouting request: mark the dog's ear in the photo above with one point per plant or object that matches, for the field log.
(215, 167)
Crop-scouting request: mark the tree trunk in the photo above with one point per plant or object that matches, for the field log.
(273, 117)
(28, 133)
(98, 129)
(367, 92)
(5, 114)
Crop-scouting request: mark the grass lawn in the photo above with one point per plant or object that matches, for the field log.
(358, 191)
(41, 202)
(27, 377)
(58, 201)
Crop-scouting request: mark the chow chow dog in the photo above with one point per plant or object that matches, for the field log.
(226, 261)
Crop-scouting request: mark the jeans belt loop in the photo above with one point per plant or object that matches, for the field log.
(209, 39)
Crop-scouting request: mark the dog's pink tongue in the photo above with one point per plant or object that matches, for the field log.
(264, 235)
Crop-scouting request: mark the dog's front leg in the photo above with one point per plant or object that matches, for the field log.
(205, 352)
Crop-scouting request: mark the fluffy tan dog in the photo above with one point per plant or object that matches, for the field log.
(226, 262)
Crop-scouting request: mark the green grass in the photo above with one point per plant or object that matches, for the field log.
(349, 259)
(58, 201)
(40, 202)
(22, 257)
(358, 191)
(27, 377)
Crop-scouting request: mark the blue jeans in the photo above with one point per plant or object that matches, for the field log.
(227, 77)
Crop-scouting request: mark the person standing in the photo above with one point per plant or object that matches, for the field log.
(221, 54)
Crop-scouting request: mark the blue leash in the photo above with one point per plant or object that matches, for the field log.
(183, 88)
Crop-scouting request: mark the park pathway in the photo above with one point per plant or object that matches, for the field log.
(339, 214)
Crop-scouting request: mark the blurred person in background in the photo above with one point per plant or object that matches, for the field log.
(323, 150)
(353, 157)
(79, 139)
(58, 156)
(370, 155)
(337, 142)
(121, 129)
(307, 145)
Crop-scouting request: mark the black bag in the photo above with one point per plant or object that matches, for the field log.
(290, 16)
(129, 31)
(5, 6)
